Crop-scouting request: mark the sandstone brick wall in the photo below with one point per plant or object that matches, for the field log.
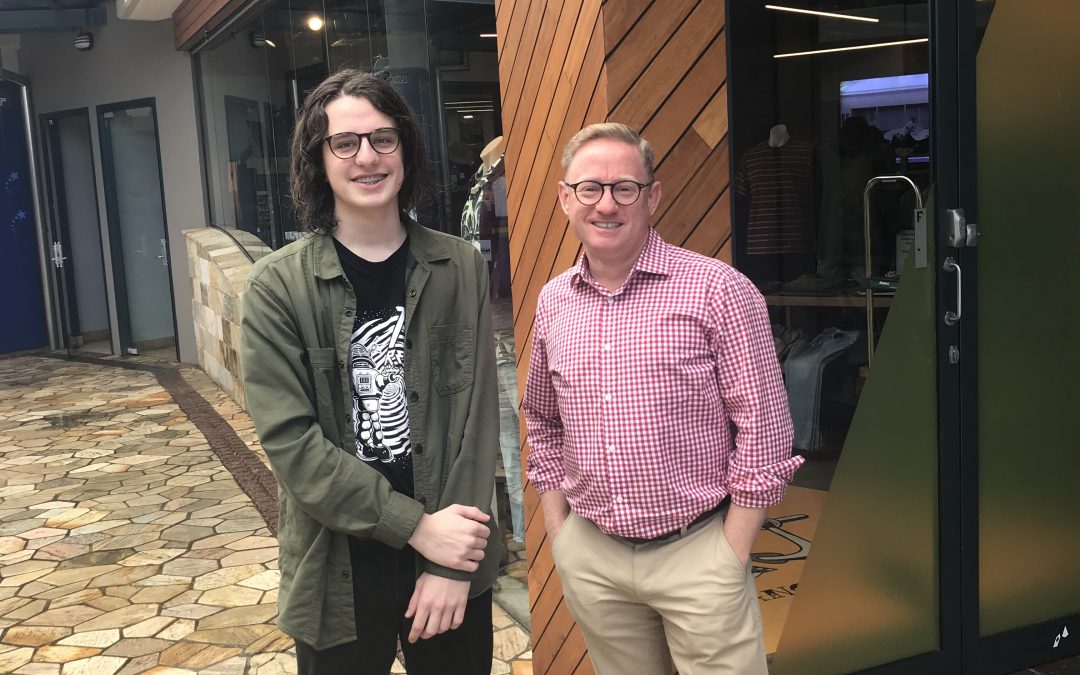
(218, 270)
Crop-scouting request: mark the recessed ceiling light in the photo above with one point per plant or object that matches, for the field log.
(827, 15)
(314, 22)
(875, 45)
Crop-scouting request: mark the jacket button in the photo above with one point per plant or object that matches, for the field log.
(344, 574)
(414, 397)
(408, 343)
(348, 312)
(341, 364)
(418, 448)
(412, 292)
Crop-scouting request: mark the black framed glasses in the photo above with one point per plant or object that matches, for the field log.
(346, 144)
(624, 192)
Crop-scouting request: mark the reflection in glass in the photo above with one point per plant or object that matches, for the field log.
(824, 100)
(134, 169)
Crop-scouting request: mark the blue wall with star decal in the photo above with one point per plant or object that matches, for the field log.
(22, 310)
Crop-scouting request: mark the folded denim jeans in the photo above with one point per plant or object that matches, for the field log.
(803, 368)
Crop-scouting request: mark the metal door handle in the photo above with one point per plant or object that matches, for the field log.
(952, 318)
(959, 231)
(58, 256)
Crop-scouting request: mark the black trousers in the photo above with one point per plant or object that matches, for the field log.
(383, 582)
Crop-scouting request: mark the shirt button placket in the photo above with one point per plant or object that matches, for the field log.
(609, 381)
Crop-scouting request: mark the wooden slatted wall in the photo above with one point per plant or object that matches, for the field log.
(659, 66)
(194, 19)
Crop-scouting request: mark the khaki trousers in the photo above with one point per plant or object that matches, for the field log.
(643, 607)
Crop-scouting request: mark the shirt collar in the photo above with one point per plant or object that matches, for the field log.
(654, 259)
(424, 246)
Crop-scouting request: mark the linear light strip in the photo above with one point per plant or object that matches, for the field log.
(876, 45)
(830, 15)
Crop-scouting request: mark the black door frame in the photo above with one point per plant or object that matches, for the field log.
(112, 209)
(58, 218)
(946, 150)
(944, 20)
(1029, 645)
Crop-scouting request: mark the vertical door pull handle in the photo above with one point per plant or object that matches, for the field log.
(952, 318)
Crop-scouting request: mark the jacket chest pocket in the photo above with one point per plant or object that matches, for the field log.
(322, 381)
(453, 350)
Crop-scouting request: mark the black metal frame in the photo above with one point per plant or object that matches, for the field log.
(956, 112)
(1023, 647)
(112, 209)
(952, 552)
(58, 216)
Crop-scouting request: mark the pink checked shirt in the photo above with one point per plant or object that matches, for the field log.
(634, 397)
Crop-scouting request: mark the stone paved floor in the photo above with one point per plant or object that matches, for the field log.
(125, 544)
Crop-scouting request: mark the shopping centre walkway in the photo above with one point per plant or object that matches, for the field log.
(137, 521)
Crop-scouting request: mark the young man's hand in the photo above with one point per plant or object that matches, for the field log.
(454, 537)
(436, 606)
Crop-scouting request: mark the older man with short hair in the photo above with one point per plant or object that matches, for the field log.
(658, 426)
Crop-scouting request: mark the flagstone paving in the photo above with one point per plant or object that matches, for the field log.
(126, 545)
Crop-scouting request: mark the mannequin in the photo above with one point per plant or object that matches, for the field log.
(778, 136)
(492, 153)
(493, 233)
(476, 221)
(776, 178)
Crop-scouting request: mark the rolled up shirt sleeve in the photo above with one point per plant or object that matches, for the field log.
(754, 397)
(545, 435)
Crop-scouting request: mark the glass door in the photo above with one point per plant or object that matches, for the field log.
(22, 303)
(1019, 331)
(74, 245)
(838, 125)
(134, 197)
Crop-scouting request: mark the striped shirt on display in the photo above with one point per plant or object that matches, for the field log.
(779, 184)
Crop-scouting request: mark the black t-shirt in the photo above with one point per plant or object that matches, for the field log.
(377, 365)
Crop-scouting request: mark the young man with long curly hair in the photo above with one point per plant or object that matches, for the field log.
(370, 373)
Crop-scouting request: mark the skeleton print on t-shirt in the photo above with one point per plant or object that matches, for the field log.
(377, 368)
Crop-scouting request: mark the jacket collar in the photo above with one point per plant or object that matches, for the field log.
(424, 246)
(654, 259)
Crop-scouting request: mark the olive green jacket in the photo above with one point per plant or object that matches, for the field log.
(298, 320)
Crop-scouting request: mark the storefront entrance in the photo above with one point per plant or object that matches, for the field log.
(74, 232)
(901, 198)
(139, 240)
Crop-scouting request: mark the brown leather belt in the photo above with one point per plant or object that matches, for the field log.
(682, 531)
